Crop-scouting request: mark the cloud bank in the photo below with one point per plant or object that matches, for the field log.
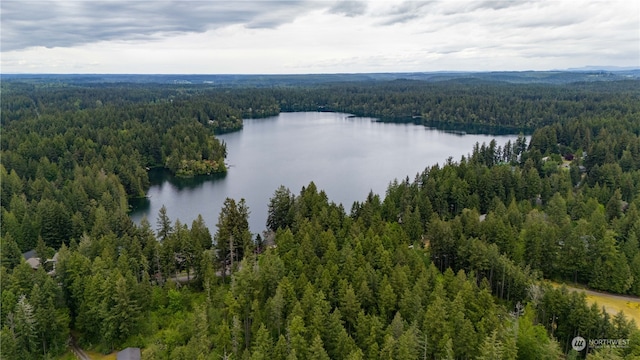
(298, 36)
(69, 23)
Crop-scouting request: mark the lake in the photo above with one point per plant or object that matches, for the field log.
(343, 155)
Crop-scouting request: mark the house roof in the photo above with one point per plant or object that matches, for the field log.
(29, 254)
(129, 354)
(34, 262)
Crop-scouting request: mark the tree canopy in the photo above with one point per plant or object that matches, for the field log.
(450, 264)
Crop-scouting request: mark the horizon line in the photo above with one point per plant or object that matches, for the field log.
(581, 69)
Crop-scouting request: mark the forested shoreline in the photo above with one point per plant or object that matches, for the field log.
(435, 268)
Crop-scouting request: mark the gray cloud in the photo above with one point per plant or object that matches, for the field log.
(410, 10)
(494, 5)
(62, 24)
(404, 12)
(349, 8)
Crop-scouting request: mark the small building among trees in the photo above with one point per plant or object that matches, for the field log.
(129, 354)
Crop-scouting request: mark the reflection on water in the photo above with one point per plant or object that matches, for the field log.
(160, 176)
(140, 204)
(461, 128)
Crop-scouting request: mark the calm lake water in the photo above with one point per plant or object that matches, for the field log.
(344, 156)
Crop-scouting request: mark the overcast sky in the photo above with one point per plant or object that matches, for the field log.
(321, 36)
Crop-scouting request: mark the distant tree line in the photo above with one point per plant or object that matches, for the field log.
(495, 106)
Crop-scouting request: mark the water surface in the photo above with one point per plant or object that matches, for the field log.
(343, 155)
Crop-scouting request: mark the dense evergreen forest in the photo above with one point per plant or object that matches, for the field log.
(447, 265)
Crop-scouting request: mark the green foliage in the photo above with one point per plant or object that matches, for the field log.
(65, 167)
(232, 239)
(429, 270)
(280, 213)
(532, 340)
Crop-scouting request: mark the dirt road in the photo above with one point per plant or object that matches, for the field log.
(79, 353)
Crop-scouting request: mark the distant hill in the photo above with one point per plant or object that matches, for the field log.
(523, 77)
(604, 68)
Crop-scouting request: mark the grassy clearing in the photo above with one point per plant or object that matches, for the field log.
(92, 355)
(98, 356)
(612, 303)
(67, 356)
(613, 306)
